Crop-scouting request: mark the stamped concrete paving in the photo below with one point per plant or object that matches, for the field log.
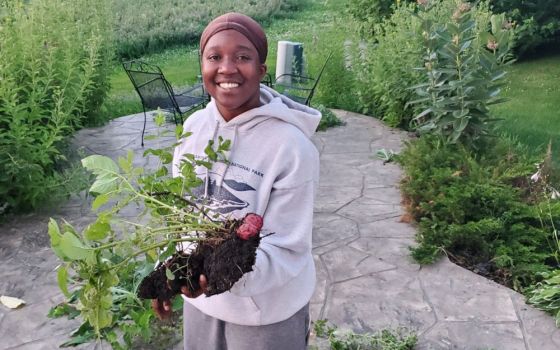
(366, 279)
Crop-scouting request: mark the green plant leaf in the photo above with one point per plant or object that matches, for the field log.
(170, 276)
(56, 237)
(100, 200)
(104, 183)
(98, 230)
(100, 164)
(73, 248)
(62, 278)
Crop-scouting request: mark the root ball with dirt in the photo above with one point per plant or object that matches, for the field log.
(223, 256)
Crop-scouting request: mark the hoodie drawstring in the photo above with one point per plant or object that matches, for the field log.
(233, 139)
(207, 181)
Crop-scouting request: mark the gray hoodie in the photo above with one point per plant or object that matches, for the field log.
(272, 170)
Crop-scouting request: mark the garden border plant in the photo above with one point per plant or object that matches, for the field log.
(472, 194)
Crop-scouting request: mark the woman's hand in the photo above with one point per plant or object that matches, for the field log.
(163, 308)
(203, 285)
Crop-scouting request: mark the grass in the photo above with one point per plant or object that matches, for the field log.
(532, 114)
(317, 25)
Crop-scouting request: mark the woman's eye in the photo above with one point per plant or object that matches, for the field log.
(243, 58)
(213, 57)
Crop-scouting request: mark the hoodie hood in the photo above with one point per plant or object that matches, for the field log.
(274, 105)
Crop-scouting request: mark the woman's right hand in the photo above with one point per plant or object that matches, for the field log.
(203, 285)
(162, 308)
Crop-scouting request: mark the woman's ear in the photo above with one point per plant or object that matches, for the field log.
(263, 68)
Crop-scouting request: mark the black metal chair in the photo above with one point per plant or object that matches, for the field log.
(298, 87)
(156, 92)
(267, 80)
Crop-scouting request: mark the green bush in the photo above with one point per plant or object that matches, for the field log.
(145, 26)
(384, 67)
(370, 12)
(537, 22)
(386, 64)
(476, 208)
(54, 63)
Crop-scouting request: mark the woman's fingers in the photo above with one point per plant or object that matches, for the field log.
(161, 308)
(203, 287)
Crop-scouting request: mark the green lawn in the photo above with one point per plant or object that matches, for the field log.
(180, 64)
(532, 113)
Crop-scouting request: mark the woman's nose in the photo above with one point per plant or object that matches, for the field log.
(227, 65)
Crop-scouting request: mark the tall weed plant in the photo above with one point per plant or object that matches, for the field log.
(55, 58)
(387, 61)
(463, 61)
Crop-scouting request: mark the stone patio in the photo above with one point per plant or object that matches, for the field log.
(366, 278)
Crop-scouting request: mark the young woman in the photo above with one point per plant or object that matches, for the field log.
(272, 169)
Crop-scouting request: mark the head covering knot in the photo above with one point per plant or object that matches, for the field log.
(241, 23)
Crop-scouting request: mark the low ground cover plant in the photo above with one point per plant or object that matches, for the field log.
(175, 234)
(385, 339)
(479, 209)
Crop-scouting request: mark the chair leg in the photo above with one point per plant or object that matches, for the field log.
(144, 128)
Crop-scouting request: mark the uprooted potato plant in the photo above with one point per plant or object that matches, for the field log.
(108, 267)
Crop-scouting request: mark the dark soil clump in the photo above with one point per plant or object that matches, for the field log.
(223, 258)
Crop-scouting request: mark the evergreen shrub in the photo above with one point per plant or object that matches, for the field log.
(476, 208)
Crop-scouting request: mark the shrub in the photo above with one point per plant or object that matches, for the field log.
(537, 22)
(54, 62)
(386, 64)
(384, 67)
(474, 208)
(370, 12)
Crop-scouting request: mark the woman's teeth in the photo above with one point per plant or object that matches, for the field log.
(229, 85)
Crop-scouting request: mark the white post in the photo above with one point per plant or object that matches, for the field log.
(284, 59)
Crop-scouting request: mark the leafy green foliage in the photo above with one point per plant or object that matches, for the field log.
(370, 12)
(384, 67)
(103, 264)
(536, 22)
(328, 118)
(385, 339)
(54, 63)
(478, 209)
(462, 78)
(546, 294)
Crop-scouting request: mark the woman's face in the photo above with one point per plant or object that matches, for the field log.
(232, 72)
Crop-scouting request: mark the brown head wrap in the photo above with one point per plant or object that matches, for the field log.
(241, 23)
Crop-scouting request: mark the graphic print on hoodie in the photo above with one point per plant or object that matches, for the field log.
(272, 169)
(220, 199)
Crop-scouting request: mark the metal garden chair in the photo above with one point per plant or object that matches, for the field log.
(156, 92)
(298, 87)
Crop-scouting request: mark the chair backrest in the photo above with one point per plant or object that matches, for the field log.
(308, 100)
(152, 87)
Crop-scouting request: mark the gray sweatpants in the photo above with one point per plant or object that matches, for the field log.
(203, 332)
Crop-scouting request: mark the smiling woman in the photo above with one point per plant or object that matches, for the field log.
(233, 57)
(272, 168)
